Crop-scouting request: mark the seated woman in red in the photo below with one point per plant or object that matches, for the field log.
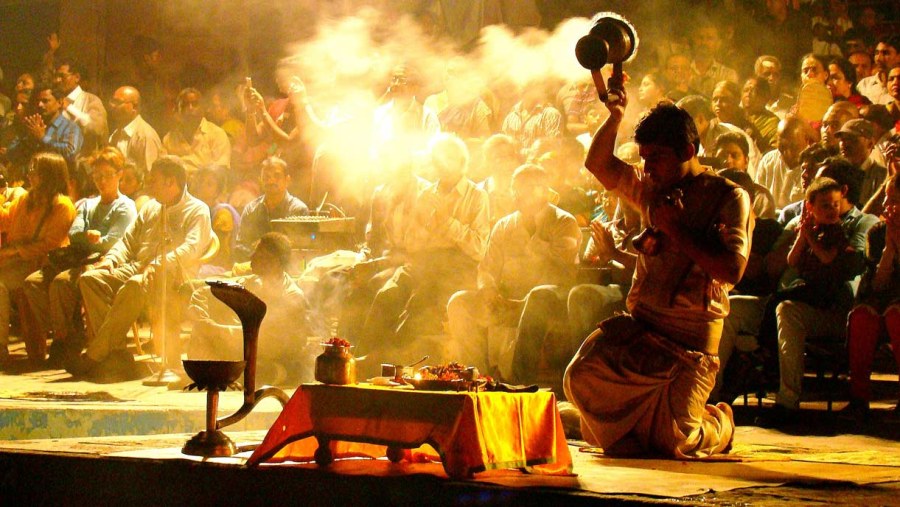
(879, 302)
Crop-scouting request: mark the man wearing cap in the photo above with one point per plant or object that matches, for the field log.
(856, 140)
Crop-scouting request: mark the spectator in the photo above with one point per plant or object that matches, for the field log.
(209, 186)
(653, 88)
(710, 128)
(610, 246)
(828, 255)
(196, 140)
(814, 98)
(862, 64)
(35, 224)
(150, 78)
(48, 59)
(221, 112)
(726, 103)
(856, 140)
(132, 185)
(780, 30)
(133, 136)
(813, 68)
(46, 130)
(811, 160)
(116, 289)
(875, 87)
(13, 124)
(459, 107)
(894, 92)
(835, 117)
(533, 117)
(217, 334)
(282, 129)
(768, 67)
(100, 222)
(447, 240)
(731, 149)
(528, 269)
(387, 237)
(583, 110)
(500, 155)
(276, 202)
(842, 82)
(863, 29)
(81, 107)
(877, 311)
(705, 47)
(883, 124)
(779, 170)
(678, 74)
(747, 301)
(763, 123)
(402, 116)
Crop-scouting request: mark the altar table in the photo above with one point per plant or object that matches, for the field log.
(469, 432)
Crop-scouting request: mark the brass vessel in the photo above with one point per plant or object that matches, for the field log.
(336, 365)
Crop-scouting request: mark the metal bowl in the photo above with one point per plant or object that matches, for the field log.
(217, 374)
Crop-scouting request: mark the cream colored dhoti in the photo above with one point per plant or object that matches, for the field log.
(639, 392)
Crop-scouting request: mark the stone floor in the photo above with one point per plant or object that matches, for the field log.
(63, 429)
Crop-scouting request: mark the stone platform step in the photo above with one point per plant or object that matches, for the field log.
(51, 404)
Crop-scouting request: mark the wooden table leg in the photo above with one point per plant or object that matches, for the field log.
(394, 454)
(323, 454)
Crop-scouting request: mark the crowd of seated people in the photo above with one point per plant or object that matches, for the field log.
(468, 196)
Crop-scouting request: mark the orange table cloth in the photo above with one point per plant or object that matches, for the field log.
(471, 432)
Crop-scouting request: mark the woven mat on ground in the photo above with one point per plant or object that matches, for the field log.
(770, 458)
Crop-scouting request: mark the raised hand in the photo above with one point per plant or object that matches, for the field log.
(603, 238)
(892, 157)
(615, 102)
(35, 126)
(892, 219)
(254, 99)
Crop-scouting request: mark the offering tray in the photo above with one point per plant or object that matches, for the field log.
(447, 377)
(458, 385)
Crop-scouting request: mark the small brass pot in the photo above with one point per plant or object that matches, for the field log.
(336, 365)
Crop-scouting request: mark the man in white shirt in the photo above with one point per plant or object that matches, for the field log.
(707, 71)
(116, 289)
(81, 107)
(779, 169)
(874, 87)
(133, 136)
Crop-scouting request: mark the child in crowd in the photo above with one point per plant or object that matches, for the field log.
(132, 185)
(819, 241)
(819, 255)
(209, 185)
